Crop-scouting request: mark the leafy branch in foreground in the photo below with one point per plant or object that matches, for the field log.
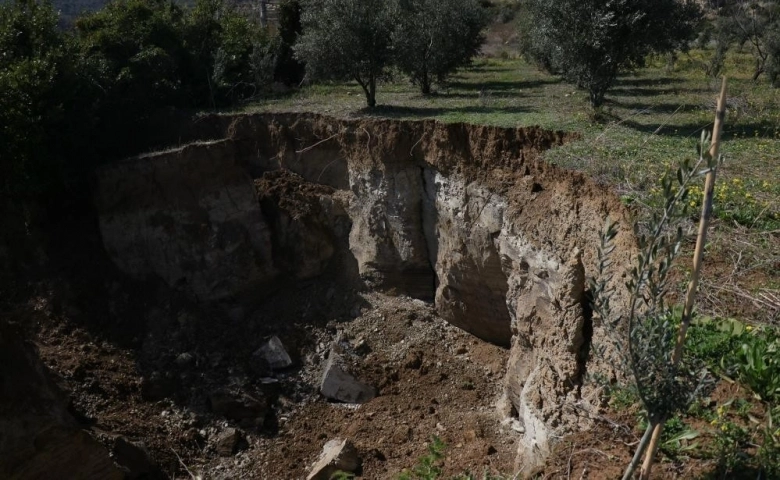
(663, 387)
(666, 380)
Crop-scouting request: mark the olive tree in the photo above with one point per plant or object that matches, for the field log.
(432, 38)
(590, 42)
(347, 39)
(756, 24)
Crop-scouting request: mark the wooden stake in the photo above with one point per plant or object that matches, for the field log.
(698, 253)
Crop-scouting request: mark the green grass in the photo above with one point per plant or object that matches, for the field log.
(655, 118)
(428, 467)
(740, 435)
(506, 93)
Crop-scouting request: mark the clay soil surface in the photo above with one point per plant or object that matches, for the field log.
(154, 383)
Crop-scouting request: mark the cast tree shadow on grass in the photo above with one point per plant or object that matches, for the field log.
(500, 86)
(651, 108)
(398, 111)
(761, 129)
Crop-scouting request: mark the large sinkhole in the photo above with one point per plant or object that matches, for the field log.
(466, 218)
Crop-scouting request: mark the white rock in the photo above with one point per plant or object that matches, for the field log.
(336, 455)
(339, 385)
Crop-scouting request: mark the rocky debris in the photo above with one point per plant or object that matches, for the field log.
(229, 442)
(360, 346)
(134, 459)
(306, 219)
(339, 385)
(274, 354)
(337, 455)
(514, 424)
(242, 407)
(39, 438)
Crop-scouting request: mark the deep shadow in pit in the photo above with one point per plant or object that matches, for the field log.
(119, 349)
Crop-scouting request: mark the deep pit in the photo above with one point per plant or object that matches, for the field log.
(338, 234)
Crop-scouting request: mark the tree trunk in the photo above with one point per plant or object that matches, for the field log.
(264, 13)
(371, 93)
(425, 87)
(758, 71)
(596, 98)
(425, 83)
(369, 89)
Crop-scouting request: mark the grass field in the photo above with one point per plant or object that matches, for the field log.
(652, 119)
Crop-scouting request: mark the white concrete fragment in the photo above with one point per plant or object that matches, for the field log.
(339, 385)
(337, 455)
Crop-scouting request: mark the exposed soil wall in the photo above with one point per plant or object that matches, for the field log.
(39, 438)
(464, 216)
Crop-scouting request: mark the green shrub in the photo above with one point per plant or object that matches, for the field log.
(710, 340)
(151, 54)
(427, 467)
(757, 363)
(68, 100)
(136, 48)
(42, 104)
(749, 354)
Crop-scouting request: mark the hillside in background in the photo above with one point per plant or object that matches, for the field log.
(69, 10)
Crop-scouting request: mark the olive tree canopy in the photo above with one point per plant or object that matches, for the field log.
(589, 42)
(433, 38)
(347, 39)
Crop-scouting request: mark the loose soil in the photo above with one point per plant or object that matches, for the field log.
(433, 380)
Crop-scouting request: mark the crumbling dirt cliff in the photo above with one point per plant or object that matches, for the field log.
(464, 216)
(435, 272)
